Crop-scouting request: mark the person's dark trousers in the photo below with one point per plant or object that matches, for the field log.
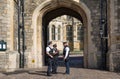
(55, 65)
(67, 66)
(50, 62)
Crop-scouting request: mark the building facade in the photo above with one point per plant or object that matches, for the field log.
(100, 20)
(66, 28)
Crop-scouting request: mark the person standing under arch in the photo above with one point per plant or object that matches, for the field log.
(66, 52)
(49, 53)
(55, 59)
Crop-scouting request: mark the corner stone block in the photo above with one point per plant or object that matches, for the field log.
(12, 61)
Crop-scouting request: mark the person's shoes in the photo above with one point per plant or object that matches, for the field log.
(66, 74)
(49, 75)
(54, 72)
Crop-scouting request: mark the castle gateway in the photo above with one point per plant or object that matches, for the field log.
(100, 20)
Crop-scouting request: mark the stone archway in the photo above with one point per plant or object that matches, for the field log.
(48, 6)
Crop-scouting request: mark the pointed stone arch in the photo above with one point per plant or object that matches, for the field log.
(50, 5)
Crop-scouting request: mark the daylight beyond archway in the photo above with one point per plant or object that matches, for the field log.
(70, 29)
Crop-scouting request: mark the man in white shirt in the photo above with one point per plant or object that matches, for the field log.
(49, 53)
(66, 52)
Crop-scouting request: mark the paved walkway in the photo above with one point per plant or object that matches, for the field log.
(76, 73)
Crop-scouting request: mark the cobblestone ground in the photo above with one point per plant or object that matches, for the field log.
(76, 73)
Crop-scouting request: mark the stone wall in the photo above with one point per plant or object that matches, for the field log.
(30, 6)
(4, 24)
(3, 19)
(8, 31)
(95, 15)
(15, 26)
(114, 48)
(7, 15)
(94, 7)
(3, 60)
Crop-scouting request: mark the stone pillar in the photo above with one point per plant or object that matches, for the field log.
(50, 33)
(12, 62)
(56, 32)
(9, 57)
(3, 20)
(114, 36)
(74, 35)
(61, 33)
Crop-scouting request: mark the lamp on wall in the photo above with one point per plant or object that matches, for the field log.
(103, 22)
(3, 45)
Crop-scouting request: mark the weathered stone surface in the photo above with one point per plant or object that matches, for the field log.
(9, 29)
(3, 19)
(3, 60)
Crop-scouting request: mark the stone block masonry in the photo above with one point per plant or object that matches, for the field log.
(8, 31)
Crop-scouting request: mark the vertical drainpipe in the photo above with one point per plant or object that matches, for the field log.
(19, 26)
(106, 34)
(101, 33)
(23, 34)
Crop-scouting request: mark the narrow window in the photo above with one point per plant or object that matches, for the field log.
(69, 33)
(59, 33)
(80, 33)
(53, 32)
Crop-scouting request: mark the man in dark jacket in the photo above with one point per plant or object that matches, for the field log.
(66, 52)
(55, 59)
